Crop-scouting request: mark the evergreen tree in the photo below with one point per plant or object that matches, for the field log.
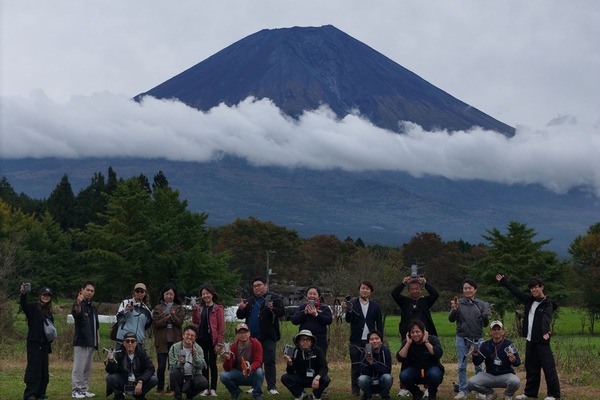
(61, 204)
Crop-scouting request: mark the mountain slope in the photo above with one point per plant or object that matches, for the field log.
(301, 68)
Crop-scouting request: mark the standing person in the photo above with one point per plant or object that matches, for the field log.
(209, 316)
(85, 340)
(131, 369)
(420, 355)
(186, 361)
(364, 316)
(306, 368)
(471, 315)
(537, 320)
(37, 373)
(134, 315)
(414, 307)
(499, 355)
(167, 320)
(375, 368)
(242, 364)
(262, 313)
(314, 316)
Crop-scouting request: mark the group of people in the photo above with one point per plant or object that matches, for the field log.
(190, 353)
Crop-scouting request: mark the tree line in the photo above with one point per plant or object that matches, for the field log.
(119, 231)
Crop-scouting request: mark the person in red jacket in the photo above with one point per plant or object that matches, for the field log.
(242, 364)
(209, 316)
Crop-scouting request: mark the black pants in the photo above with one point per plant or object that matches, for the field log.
(210, 372)
(270, 362)
(162, 361)
(296, 384)
(190, 385)
(539, 356)
(37, 374)
(355, 355)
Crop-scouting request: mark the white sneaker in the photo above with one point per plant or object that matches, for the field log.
(403, 393)
(425, 393)
(213, 392)
(482, 396)
(461, 395)
(523, 397)
(273, 391)
(249, 391)
(77, 395)
(302, 396)
(205, 393)
(89, 394)
(550, 398)
(491, 396)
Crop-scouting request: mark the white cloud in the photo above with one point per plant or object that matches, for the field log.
(560, 156)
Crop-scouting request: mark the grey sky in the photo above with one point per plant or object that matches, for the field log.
(68, 69)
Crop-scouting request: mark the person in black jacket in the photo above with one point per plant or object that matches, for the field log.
(130, 370)
(499, 355)
(420, 355)
(306, 368)
(262, 313)
(364, 316)
(375, 368)
(314, 316)
(37, 375)
(537, 320)
(85, 341)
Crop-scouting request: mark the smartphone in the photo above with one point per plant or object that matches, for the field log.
(311, 303)
(288, 350)
(368, 350)
(267, 299)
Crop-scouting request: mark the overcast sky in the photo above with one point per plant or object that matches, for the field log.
(69, 68)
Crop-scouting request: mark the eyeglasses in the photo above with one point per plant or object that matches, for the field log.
(258, 284)
(140, 291)
(305, 339)
(129, 340)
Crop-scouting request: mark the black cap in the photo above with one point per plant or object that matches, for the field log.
(45, 290)
(129, 335)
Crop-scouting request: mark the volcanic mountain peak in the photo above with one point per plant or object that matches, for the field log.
(302, 68)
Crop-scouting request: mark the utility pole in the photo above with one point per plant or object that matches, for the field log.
(269, 272)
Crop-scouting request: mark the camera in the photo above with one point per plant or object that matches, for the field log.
(26, 287)
(129, 389)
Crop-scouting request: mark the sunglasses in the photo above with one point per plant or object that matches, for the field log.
(140, 291)
(129, 340)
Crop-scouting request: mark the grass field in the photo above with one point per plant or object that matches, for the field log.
(578, 359)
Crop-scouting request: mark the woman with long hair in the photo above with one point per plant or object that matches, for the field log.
(38, 313)
(167, 318)
(209, 316)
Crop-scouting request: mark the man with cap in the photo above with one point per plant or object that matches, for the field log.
(306, 367)
(186, 362)
(242, 364)
(262, 312)
(499, 355)
(134, 315)
(130, 371)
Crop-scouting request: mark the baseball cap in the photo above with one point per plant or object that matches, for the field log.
(129, 335)
(496, 323)
(241, 326)
(46, 290)
(140, 286)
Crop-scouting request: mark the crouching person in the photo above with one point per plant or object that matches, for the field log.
(130, 370)
(420, 355)
(306, 367)
(499, 355)
(242, 364)
(375, 368)
(186, 361)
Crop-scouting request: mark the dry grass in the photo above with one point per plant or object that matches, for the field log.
(11, 386)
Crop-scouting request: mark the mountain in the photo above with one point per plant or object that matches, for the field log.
(302, 68)
(379, 207)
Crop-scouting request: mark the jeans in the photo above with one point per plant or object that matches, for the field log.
(462, 349)
(234, 378)
(411, 377)
(365, 382)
